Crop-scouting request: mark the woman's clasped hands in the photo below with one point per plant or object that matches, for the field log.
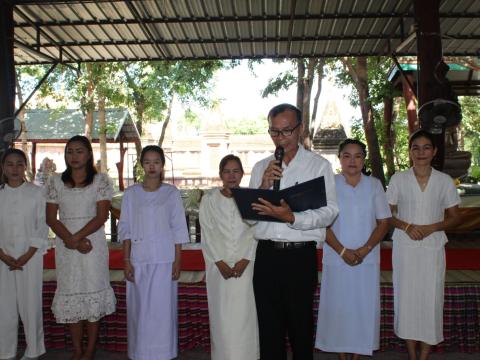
(82, 245)
(418, 232)
(355, 257)
(232, 272)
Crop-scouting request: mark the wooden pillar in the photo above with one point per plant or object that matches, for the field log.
(389, 135)
(34, 158)
(410, 103)
(429, 48)
(7, 71)
(120, 166)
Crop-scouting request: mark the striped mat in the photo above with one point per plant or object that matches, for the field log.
(461, 319)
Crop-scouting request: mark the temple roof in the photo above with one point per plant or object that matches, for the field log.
(61, 125)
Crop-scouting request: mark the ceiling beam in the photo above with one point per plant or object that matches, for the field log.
(34, 52)
(151, 41)
(54, 2)
(145, 29)
(216, 19)
(225, 40)
(30, 49)
(252, 18)
(43, 33)
(237, 57)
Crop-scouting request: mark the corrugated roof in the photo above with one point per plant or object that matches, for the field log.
(45, 125)
(113, 30)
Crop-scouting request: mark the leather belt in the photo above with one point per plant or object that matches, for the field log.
(287, 244)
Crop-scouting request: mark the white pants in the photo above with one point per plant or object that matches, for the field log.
(21, 294)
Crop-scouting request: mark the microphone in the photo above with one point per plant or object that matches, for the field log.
(279, 152)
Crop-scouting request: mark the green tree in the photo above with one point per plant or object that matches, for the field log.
(248, 126)
(150, 88)
(470, 130)
(368, 75)
(153, 86)
(304, 73)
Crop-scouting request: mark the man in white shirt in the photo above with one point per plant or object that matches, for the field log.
(285, 272)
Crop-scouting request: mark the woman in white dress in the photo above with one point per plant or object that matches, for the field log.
(152, 228)
(349, 309)
(419, 198)
(229, 251)
(82, 197)
(23, 240)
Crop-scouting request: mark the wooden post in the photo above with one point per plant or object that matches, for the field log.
(34, 158)
(411, 104)
(120, 166)
(429, 48)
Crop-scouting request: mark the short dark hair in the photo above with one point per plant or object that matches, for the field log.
(346, 142)
(91, 170)
(8, 152)
(419, 134)
(226, 159)
(278, 109)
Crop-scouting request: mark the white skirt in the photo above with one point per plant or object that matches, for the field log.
(418, 282)
(152, 313)
(349, 309)
(233, 315)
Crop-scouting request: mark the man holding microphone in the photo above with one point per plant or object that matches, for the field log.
(285, 272)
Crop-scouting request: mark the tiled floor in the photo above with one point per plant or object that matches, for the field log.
(200, 355)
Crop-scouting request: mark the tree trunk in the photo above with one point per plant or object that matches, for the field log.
(410, 104)
(140, 108)
(389, 136)
(24, 134)
(300, 84)
(102, 134)
(89, 103)
(139, 100)
(359, 74)
(166, 121)
(307, 90)
(313, 123)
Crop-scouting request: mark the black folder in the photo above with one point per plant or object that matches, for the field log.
(301, 197)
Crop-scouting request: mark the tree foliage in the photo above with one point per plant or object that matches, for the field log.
(470, 130)
(146, 88)
(377, 89)
(305, 74)
(248, 126)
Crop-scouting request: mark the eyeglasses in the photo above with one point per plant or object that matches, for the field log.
(284, 132)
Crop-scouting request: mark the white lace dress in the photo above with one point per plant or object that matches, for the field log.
(83, 284)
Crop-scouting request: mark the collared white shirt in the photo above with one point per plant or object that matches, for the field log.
(308, 225)
(22, 219)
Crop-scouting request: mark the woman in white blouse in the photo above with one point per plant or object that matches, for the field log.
(424, 202)
(229, 250)
(23, 240)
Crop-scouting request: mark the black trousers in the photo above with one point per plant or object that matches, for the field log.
(284, 282)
